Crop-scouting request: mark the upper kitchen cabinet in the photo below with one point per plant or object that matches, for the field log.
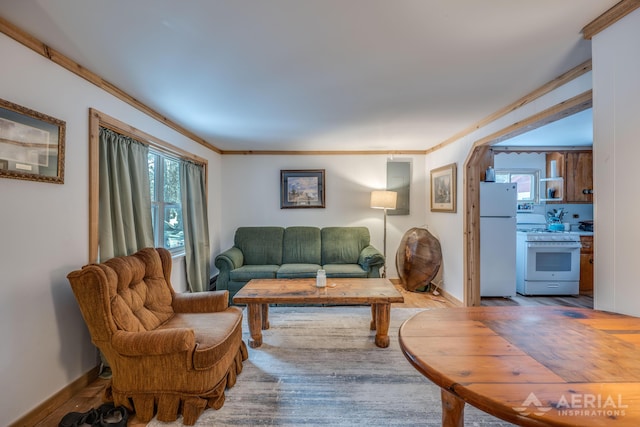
(576, 169)
(579, 177)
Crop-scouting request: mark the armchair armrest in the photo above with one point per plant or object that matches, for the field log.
(232, 258)
(158, 342)
(200, 302)
(370, 257)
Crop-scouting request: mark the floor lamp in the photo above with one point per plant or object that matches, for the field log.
(384, 200)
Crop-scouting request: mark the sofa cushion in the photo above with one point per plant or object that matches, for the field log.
(248, 272)
(214, 333)
(342, 245)
(260, 245)
(302, 245)
(296, 271)
(344, 270)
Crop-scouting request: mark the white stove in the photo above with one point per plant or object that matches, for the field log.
(547, 262)
(549, 236)
(535, 228)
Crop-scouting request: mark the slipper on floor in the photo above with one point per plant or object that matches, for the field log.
(104, 408)
(78, 419)
(111, 416)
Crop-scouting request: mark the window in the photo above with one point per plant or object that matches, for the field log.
(166, 205)
(527, 181)
(164, 169)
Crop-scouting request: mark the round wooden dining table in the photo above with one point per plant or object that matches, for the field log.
(531, 366)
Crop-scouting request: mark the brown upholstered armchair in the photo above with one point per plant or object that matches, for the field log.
(176, 352)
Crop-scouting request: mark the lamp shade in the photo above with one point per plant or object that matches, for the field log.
(383, 199)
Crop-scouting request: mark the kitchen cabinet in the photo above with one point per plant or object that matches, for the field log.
(586, 265)
(574, 178)
(579, 167)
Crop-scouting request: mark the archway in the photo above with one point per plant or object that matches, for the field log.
(480, 157)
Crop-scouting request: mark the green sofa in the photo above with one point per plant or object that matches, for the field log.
(296, 252)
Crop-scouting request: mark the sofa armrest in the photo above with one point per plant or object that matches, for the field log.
(200, 302)
(232, 258)
(370, 257)
(228, 260)
(157, 342)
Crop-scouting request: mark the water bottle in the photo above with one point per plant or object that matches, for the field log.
(321, 279)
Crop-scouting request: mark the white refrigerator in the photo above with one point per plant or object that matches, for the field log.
(498, 202)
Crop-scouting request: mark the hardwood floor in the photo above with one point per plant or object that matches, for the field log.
(420, 299)
(91, 396)
(584, 301)
(428, 300)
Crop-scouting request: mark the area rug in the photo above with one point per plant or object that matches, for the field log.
(319, 366)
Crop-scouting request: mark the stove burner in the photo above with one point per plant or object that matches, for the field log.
(539, 230)
(545, 235)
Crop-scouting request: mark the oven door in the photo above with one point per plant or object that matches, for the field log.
(556, 261)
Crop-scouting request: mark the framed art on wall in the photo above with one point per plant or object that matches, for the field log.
(443, 189)
(302, 189)
(31, 144)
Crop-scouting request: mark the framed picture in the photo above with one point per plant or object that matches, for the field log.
(443, 189)
(302, 189)
(31, 144)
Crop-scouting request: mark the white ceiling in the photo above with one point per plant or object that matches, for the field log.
(572, 131)
(318, 74)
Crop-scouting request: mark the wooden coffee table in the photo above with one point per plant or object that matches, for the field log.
(532, 366)
(259, 293)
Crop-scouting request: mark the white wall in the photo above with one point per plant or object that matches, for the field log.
(251, 195)
(616, 93)
(45, 343)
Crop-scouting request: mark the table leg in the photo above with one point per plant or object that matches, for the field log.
(383, 316)
(265, 316)
(254, 313)
(372, 326)
(452, 410)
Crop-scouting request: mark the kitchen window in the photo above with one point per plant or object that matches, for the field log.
(526, 179)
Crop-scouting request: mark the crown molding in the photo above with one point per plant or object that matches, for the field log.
(610, 17)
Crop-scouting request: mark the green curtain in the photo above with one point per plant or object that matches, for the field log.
(196, 225)
(125, 224)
